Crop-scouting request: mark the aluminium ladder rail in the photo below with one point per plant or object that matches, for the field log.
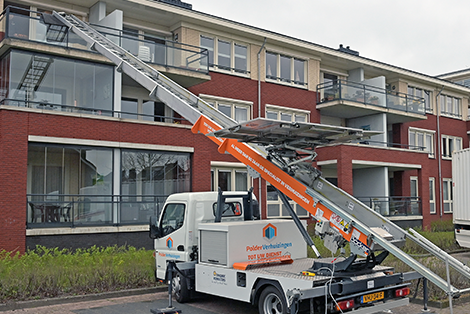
(207, 119)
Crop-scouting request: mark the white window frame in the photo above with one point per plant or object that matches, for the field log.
(296, 114)
(233, 168)
(233, 103)
(422, 93)
(447, 148)
(447, 194)
(413, 140)
(292, 80)
(450, 106)
(215, 49)
(278, 202)
(432, 195)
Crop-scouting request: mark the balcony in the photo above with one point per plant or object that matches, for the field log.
(348, 100)
(18, 23)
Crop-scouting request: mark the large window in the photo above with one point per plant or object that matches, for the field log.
(147, 178)
(450, 144)
(448, 197)
(450, 106)
(68, 183)
(76, 185)
(285, 69)
(226, 55)
(422, 140)
(53, 83)
(238, 110)
(422, 93)
(286, 114)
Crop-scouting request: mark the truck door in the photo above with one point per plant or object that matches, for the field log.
(172, 242)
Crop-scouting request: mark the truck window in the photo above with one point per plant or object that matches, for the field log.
(172, 218)
(230, 209)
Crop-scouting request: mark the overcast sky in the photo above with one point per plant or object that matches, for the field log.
(427, 36)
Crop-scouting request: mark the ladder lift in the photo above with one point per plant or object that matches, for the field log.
(282, 154)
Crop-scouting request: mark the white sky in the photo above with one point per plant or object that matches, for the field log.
(427, 36)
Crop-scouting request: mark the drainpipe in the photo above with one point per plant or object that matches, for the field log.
(259, 77)
(439, 153)
(259, 108)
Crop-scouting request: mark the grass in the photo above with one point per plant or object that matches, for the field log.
(43, 272)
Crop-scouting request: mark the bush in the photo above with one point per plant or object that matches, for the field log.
(47, 272)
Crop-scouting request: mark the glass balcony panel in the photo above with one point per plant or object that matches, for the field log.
(370, 95)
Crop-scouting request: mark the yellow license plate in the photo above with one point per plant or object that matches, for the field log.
(372, 297)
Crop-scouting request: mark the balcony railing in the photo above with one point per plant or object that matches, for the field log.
(28, 25)
(48, 210)
(87, 110)
(369, 95)
(394, 205)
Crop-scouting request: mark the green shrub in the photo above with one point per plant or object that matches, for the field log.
(47, 272)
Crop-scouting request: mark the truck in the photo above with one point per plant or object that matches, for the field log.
(461, 196)
(263, 262)
(218, 245)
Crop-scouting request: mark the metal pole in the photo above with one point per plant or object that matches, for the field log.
(425, 294)
(450, 287)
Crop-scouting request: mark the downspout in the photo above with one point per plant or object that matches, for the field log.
(439, 153)
(259, 110)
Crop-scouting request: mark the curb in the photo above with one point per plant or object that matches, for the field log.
(15, 305)
(443, 303)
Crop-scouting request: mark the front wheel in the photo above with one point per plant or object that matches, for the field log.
(180, 288)
(271, 301)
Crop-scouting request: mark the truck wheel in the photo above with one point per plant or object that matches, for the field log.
(180, 288)
(271, 301)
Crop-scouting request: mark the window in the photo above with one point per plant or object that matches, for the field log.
(450, 106)
(448, 197)
(432, 196)
(422, 140)
(65, 84)
(226, 55)
(230, 179)
(141, 109)
(285, 69)
(231, 209)
(450, 144)
(414, 199)
(69, 183)
(172, 218)
(422, 93)
(277, 209)
(286, 114)
(238, 110)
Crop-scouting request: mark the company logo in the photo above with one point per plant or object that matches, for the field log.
(269, 232)
(169, 243)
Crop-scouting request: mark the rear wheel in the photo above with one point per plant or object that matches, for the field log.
(271, 301)
(180, 288)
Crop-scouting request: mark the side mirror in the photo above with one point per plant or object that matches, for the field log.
(154, 231)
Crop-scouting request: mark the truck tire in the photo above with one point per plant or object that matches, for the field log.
(271, 301)
(180, 288)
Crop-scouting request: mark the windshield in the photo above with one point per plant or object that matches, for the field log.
(172, 218)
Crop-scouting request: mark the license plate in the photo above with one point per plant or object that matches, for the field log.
(372, 297)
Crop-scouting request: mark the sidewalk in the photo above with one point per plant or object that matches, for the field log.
(158, 299)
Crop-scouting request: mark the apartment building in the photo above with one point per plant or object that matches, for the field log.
(88, 156)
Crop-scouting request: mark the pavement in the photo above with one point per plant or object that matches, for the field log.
(143, 302)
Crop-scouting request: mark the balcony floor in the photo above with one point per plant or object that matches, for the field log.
(346, 109)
